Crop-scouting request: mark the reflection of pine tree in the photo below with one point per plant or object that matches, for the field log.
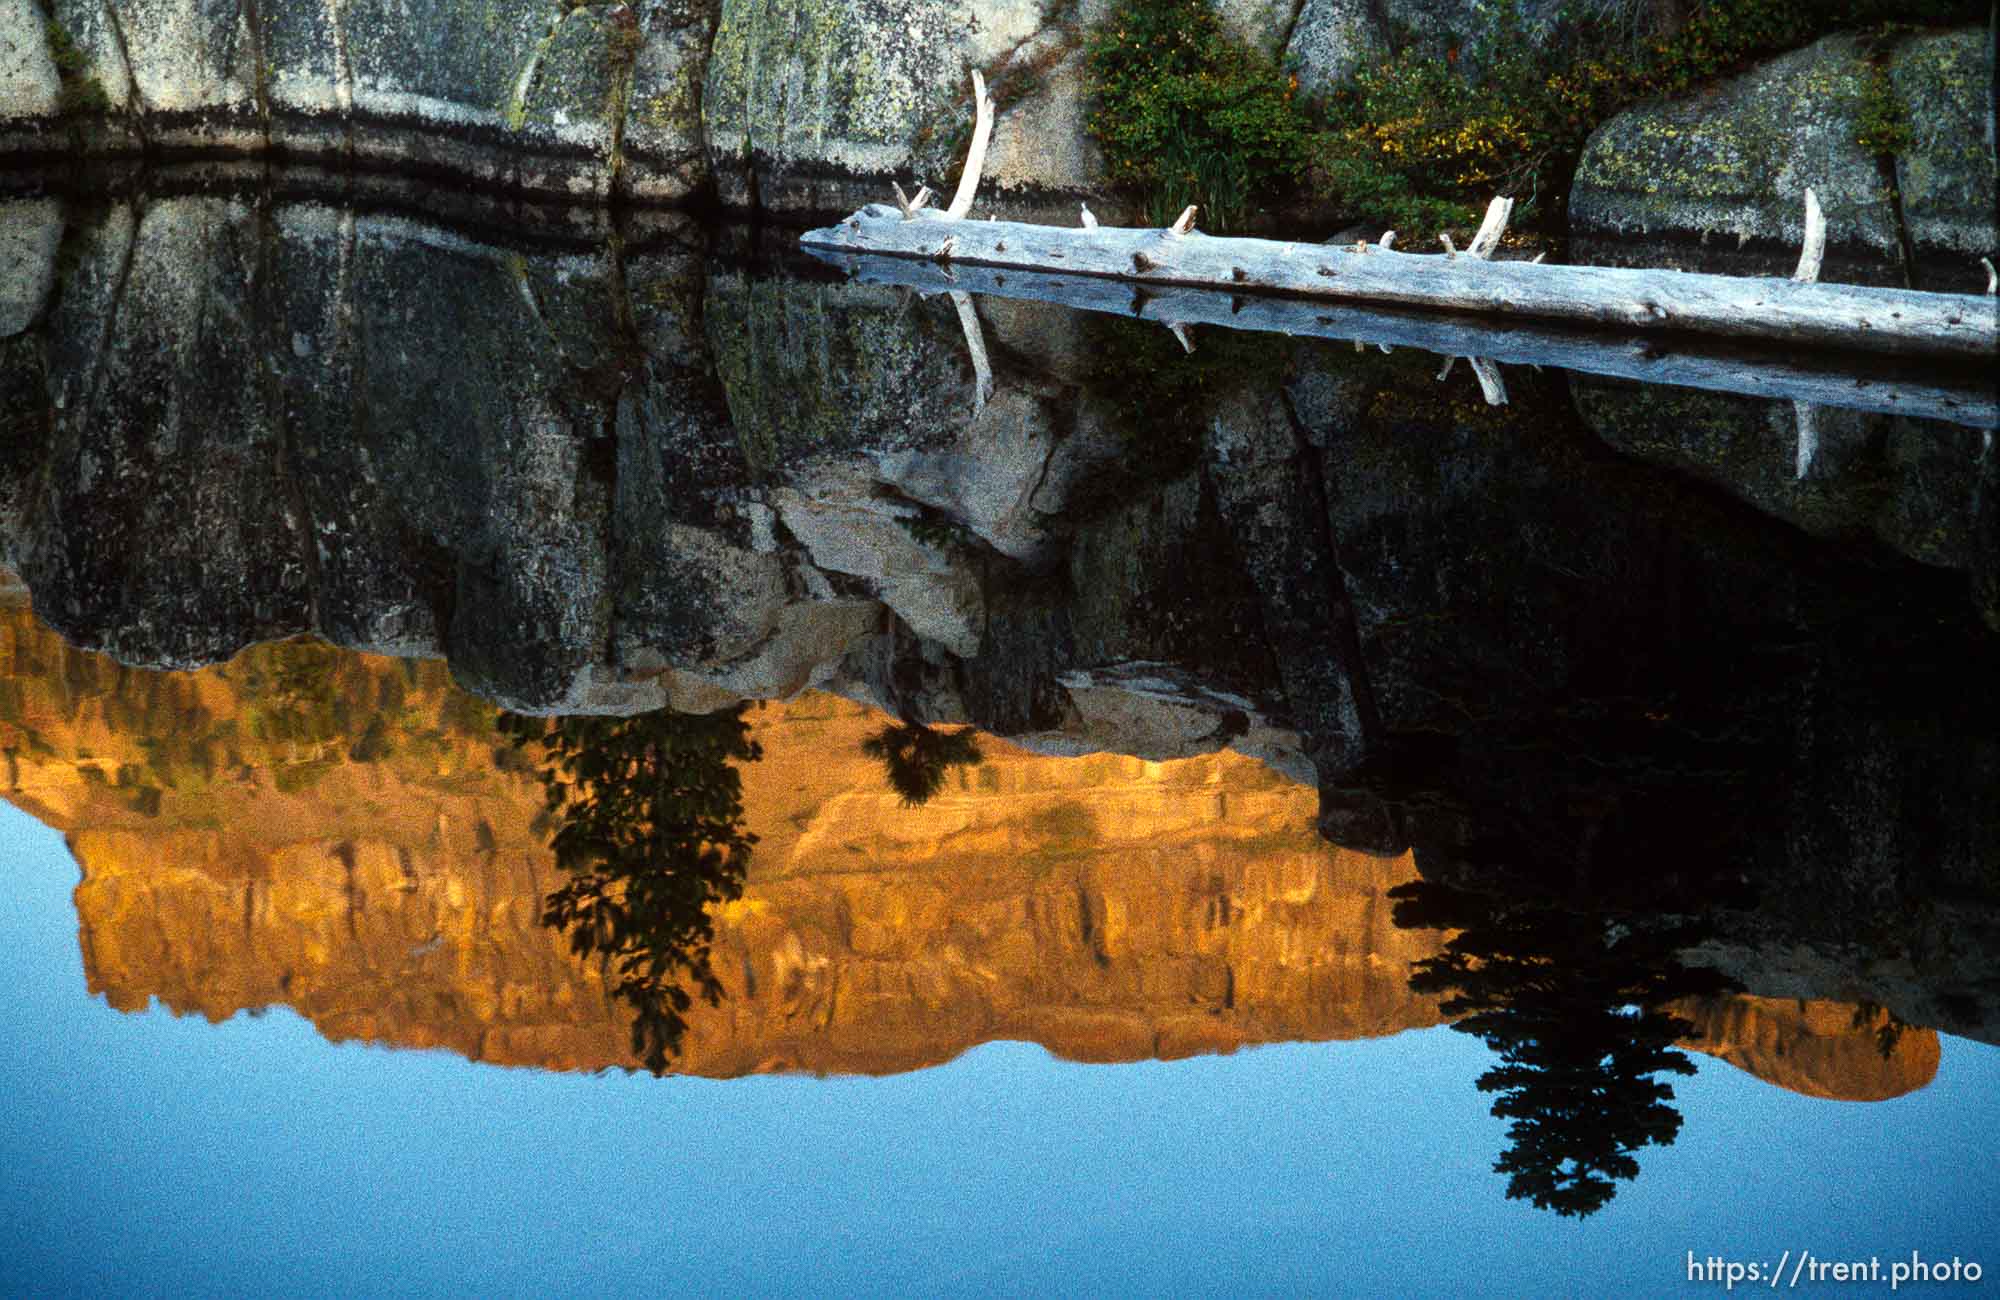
(648, 824)
(1887, 1025)
(1570, 1002)
(915, 758)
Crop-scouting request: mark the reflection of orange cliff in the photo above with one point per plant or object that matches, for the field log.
(1819, 1048)
(345, 834)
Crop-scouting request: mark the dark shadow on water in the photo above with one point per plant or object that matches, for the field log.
(648, 827)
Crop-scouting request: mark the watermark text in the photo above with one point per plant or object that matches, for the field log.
(1794, 1268)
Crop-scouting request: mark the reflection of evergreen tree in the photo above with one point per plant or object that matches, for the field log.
(1570, 1000)
(1887, 1025)
(647, 815)
(915, 758)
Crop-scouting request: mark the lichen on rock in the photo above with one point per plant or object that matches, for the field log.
(1691, 182)
(29, 85)
(1946, 176)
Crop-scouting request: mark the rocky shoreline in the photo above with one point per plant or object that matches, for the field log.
(805, 109)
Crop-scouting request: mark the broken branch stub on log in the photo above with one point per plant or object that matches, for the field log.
(975, 153)
(1495, 225)
(1813, 251)
(911, 206)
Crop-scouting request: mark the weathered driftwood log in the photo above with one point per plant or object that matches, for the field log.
(1795, 311)
(1958, 393)
(1866, 318)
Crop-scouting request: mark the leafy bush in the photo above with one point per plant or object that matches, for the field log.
(1187, 114)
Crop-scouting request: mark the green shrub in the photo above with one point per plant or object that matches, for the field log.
(79, 93)
(1187, 114)
(68, 56)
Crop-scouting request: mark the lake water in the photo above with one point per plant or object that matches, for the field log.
(548, 754)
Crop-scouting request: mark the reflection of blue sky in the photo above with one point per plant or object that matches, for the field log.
(253, 1157)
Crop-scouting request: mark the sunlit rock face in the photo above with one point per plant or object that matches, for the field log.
(344, 834)
(1819, 1048)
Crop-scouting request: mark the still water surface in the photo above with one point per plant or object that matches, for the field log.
(170, 1154)
(1091, 781)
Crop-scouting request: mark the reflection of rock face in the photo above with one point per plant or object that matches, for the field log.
(1821, 1049)
(1915, 485)
(386, 882)
(596, 482)
(616, 476)
(1108, 907)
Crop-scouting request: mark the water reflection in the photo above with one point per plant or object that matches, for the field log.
(648, 815)
(1123, 701)
(1110, 908)
(1576, 1003)
(916, 759)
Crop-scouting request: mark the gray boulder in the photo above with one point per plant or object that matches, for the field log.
(29, 87)
(810, 104)
(663, 154)
(194, 66)
(1263, 25)
(574, 103)
(88, 25)
(307, 82)
(1946, 177)
(444, 86)
(1331, 39)
(1717, 182)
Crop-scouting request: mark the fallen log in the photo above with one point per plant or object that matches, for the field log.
(1958, 394)
(1796, 311)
